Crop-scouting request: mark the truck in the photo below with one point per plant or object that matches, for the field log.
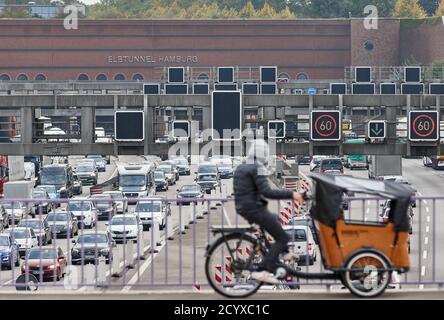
(11, 169)
(356, 161)
(136, 180)
(20, 190)
(383, 166)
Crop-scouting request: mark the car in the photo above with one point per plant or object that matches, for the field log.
(62, 223)
(333, 172)
(175, 168)
(119, 200)
(124, 227)
(43, 201)
(150, 210)
(52, 192)
(169, 172)
(305, 221)
(315, 163)
(16, 211)
(41, 229)
(331, 164)
(4, 217)
(161, 181)
(84, 211)
(45, 263)
(427, 161)
(100, 162)
(166, 139)
(182, 164)
(25, 238)
(77, 185)
(302, 243)
(87, 173)
(9, 251)
(90, 246)
(105, 206)
(189, 191)
(303, 159)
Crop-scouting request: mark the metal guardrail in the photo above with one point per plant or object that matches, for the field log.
(172, 255)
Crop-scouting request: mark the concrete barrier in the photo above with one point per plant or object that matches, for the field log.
(190, 210)
(199, 210)
(116, 270)
(140, 245)
(182, 220)
(213, 204)
(129, 254)
(101, 272)
(169, 228)
(154, 237)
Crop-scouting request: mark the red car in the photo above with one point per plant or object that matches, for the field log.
(50, 263)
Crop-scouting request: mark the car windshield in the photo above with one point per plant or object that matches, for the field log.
(296, 235)
(317, 160)
(132, 180)
(53, 179)
(12, 205)
(30, 224)
(124, 221)
(85, 169)
(57, 217)
(4, 241)
(207, 177)
(190, 188)
(332, 164)
(179, 161)
(49, 189)
(148, 207)
(38, 195)
(207, 169)
(79, 206)
(93, 238)
(95, 158)
(159, 175)
(20, 234)
(42, 254)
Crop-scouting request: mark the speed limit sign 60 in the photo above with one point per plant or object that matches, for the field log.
(423, 126)
(325, 125)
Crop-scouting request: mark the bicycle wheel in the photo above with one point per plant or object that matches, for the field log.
(229, 263)
(367, 274)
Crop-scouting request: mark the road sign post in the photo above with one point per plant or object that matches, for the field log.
(325, 125)
(377, 129)
(423, 126)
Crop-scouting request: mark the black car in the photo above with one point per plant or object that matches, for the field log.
(43, 202)
(90, 246)
(105, 205)
(331, 164)
(62, 223)
(189, 191)
(77, 185)
(161, 181)
(303, 159)
(87, 174)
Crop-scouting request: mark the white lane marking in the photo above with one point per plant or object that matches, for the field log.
(425, 201)
(226, 216)
(424, 254)
(423, 268)
(426, 240)
(427, 209)
(427, 229)
(428, 218)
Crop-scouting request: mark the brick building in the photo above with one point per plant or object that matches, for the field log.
(141, 49)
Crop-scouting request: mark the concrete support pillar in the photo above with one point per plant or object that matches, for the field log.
(206, 118)
(27, 117)
(149, 125)
(310, 109)
(88, 124)
(390, 113)
(269, 113)
(341, 110)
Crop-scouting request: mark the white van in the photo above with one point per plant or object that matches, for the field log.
(302, 243)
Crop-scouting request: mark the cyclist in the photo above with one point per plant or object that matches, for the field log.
(251, 187)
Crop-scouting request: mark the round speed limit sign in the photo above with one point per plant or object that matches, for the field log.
(325, 125)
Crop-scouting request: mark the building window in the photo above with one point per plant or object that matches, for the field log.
(83, 77)
(283, 76)
(5, 77)
(119, 77)
(101, 77)
(302, 76)
(137, 76)
(22, 77)
(369, 46)
(40, 77)
(203, 77)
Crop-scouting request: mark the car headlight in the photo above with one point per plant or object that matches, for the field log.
(179, 196)
(51, 267)
(92, 174)
(104, 251)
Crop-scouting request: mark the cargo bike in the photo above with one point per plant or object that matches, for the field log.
(361, 255)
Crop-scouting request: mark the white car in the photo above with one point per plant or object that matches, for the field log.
(16, 211)
(25, 238)
(84, 211)
(125, 227)
(302, 243)
(316, 162)
(169, 172)
(156, 210)
(119, 200)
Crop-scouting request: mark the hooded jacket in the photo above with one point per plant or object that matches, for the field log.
(250, 181)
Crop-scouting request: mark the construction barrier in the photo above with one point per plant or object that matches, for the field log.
(169, 228)
(182, 220)
(116, 270)
(218, 274)
(140, 245)
(154, 236)
(228, 271)
(129, 254)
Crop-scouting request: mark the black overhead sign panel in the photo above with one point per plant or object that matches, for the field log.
(325, 125)
(226, 110)
(423, 126)
(129, 126)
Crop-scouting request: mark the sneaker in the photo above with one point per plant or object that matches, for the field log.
(265, 276)
(291, 257)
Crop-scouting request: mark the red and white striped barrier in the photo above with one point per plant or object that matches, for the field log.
(228, 272)
(218, 274)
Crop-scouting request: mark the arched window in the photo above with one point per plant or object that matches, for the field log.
(5, 77)
(40, 77)
(203, 77)
(284, 76)
(137, 76)
(83, 77)
(22, 77)
(369, 46)
(302, 76)
(119, 77)
(101, 77)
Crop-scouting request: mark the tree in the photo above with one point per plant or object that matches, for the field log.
(440, 10)
(286, 14)
(248, 11)
(266, 12)
(408, 9)
(435, 70)
(429, 6)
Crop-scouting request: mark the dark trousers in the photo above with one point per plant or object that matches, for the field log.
(270, 223)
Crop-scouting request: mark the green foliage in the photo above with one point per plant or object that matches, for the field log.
(435, 71)
(408, 9)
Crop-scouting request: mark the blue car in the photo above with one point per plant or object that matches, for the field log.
(52, 191)
(9, 252)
